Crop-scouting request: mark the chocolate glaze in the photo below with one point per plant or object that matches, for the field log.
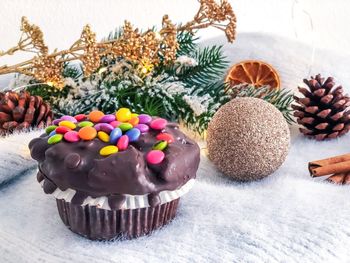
(79, 166)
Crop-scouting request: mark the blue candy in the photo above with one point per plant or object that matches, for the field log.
(52, 133)
(115, 135)
(133, 134)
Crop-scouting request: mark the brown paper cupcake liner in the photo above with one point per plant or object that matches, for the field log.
(102, 224)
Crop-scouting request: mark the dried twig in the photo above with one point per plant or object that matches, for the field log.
(149, 47)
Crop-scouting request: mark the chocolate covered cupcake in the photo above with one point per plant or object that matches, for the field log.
(115, 175)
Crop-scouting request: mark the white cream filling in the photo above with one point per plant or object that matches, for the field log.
(131, 201)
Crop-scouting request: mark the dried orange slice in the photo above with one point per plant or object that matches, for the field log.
(257, 73)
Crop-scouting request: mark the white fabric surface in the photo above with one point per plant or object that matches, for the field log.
(287, 217)
(14, 156)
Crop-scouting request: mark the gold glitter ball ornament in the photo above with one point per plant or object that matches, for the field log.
(248, 139)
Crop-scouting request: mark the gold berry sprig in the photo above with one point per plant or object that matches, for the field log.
(145, 48)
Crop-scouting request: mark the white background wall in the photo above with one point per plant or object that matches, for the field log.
(62, 20)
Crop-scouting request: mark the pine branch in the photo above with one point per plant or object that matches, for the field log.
(187, 43)
(191, 90)
(72, 71)
(211, 66)
(281, 99)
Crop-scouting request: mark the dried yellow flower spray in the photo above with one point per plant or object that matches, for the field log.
(145, 48)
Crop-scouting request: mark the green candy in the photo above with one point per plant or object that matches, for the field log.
(125, 126)
(85, 124)
(55, 139)
(161, 145)
(50, 129)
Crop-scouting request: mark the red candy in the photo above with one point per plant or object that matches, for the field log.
(123, 143)
(165, 137)
(62, 129)
(80, 117)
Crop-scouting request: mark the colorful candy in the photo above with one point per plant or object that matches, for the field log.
(68, 124)
(123, 143)
(115, 135)
(96, 115)
(69, 118)
(142, 127)
(144, 118)
(62, 129)
(85, 124)
(103, 136)
(155, 157)
(107, 118)
(80, 117)
(50, 129)
(87, 133)
(115, 124)
(108, 150)
(125, 126)
(104, 127)
(123, 114)
(71, 136)
(165, 137)
(56, 122)
(134, 121)
(119, 130)
(160, 145)
(133, 115)
(55, 139)
(133, 134)
(158, 124)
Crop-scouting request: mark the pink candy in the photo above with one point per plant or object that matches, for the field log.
(115, 124)
(108, 118)
(158, 124)
(155, 157)
(123, 143)
(71, 136)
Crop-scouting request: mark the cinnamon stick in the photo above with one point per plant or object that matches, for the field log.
(347, 179)
(334, 165)
(337, 178)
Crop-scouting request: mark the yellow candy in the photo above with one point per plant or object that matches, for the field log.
(108, 150)
(133, 115)
(123, 114)
(103, 136)
(67, 124)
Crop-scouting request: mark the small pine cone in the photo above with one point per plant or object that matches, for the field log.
(323, 111)
(20, 111)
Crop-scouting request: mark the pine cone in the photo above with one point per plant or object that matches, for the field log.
(20, 111)
(323, 111)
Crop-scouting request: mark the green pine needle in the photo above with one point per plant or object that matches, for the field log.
(187, 43)
(211, 67)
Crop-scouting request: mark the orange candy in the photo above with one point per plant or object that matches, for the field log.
(95, 116)
(134, 121)
(87, 133)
